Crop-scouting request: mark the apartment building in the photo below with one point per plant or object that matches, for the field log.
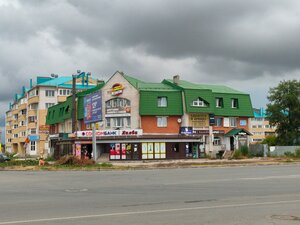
(174, 119)
(260, 126)
(26, 129)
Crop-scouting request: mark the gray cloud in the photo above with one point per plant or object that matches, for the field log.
(219, 41)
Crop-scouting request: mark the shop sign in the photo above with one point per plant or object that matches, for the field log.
(33, 137)
(218, 132)
(117, 89)
(200, 131)
(92, 108)
(53, 135)
(211, 119)
(107, 133)
(186, 130)
(242, 133)
(44, 129)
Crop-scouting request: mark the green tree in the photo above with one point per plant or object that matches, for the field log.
(283, 111)
(270, 140)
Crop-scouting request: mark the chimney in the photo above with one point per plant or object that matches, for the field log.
(176, 79)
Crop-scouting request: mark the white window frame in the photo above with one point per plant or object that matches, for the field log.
(32, 146)
(50, 93)
(199, 103)
(217, 122)
(217, 140)
(219, 102)
(162, 101)
(234, 103)
(162, 121)
(49, 104)
(232, 122)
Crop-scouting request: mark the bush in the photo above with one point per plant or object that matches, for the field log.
(20, 163)
(72, 160)
(237, 154)
(297, 153)
(289, 154)
(244, 150)
(270, 140)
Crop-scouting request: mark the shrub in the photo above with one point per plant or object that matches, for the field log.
(244, 150)
(106, 164)
(270, 140)
(297, 153)
(237, 154)
(74, 161)
(289, 154)
(20, 163)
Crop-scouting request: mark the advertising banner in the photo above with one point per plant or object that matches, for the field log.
(92, 104)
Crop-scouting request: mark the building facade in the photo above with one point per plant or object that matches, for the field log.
(173, 119)
(260, 126)
(26, 129)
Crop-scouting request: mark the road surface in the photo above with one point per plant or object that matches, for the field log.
(230, 195)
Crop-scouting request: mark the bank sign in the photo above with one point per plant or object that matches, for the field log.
(92, 104)
(107, 133)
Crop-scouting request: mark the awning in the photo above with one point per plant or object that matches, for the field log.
(237, 131)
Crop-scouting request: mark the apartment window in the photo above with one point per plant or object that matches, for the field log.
(219, 102)
(234, 103)
(33, 93)
(50, 93)
(259, 126)
(8, 140)
(254, 126)
(217, 141)
(32, 146)
(232, 121)
(22, 134)
(117, 102)
(15, 126)
(8, 131)
(16, 116)
(16, 135)
(199, 103)
(162, 102)
(23, 112)
(22, 123)
(32, 131)
(219, 122)
(33, 106)
(47, 105)
(267, 126)
(32, 119)
(162, 121)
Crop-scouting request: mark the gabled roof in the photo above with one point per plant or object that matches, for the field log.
(236, 131)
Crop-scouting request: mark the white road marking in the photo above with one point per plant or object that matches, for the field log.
(148, 212)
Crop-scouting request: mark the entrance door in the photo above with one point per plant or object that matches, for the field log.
(231, 143)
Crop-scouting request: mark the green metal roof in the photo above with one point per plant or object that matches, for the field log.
(58, 112)
(149, 103)
(214, 88)
(235, 131)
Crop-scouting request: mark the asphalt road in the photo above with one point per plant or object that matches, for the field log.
(237, 195)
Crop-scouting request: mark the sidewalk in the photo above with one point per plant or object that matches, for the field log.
(199, 162)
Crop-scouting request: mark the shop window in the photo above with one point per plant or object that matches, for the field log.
(217, 141)
(234, 103)
(175, 147)
(219, 102)
(162, 121)
(162, 102)
(32, 146)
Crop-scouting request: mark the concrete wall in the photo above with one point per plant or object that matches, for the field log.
(280, 150)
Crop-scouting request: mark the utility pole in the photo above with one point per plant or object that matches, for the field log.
(74, 103)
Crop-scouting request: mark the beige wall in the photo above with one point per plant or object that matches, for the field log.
(129, 92)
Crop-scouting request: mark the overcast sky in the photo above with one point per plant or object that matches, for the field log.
(247, 45)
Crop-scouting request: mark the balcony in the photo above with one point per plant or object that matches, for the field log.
(22, 106)
(32, 112)
(32, 125)
(34, 99)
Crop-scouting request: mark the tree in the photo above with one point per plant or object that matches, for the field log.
(283, 111)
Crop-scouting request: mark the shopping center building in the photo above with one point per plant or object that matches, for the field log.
(174, 119)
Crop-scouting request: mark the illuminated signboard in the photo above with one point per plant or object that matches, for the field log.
(117, 89)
